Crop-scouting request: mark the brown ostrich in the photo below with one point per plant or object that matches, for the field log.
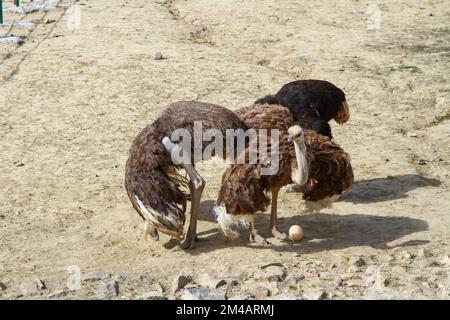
(313, 161)
(313, 103)
(153, 181)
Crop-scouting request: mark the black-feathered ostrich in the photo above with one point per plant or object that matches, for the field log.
(153, 180)
(313, 103)
(313, 161)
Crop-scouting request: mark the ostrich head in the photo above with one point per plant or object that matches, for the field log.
(299, 176)
(295, 133)
(343, 114)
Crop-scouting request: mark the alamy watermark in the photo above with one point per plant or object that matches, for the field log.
(374, 17)
(250, 146)
(73, 14)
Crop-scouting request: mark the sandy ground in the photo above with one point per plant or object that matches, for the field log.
(72, 99)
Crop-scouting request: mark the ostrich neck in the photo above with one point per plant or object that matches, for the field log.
(301, 174)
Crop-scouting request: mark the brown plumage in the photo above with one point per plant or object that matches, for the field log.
(313, 103)
(153, 182)
(243, 189)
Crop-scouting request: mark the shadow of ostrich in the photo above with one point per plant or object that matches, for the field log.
(323, 231)
(387, 188)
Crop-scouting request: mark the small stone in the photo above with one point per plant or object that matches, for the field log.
(429, 263)
(57, 294)
(202, 294)
(108, 289)
(146, 279)
(48, 21)
(19, 164)
(424, 253)
(295, 278)
(259, 292)
(421, 162)
(40, 284)
(181, 281)
(208, 280)
(95, 276)
(446, 260)
(339, 282)
(30, 289)
(271, 273)
(412, 135)
(286, 296)
(220, 283)
(315, 295)
(152, 295)
(357, 261)
(398, 269)
(2, 286)
(157, 55)
(332, 266)
(119, 277)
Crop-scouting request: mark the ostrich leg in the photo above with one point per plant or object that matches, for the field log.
(196, 184)
(273, 216)
(255, 237)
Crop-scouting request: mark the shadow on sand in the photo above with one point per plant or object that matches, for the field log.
(323, 231)
(385, 189)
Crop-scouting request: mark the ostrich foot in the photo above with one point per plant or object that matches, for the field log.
(189, 242)
(278, 234)
(255, 237)
(149, 230)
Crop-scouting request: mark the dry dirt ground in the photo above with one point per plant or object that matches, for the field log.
(72, 98)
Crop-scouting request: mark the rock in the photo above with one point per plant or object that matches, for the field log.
(358, 262)
(421, 162)
(398, 269)
(259, 292)
(332, 266)
(30, 289)
(429, 263)
(57, 294)
(119, 277)
(446, 260)
(295, 278)
(146, 279)
(95, 276)
(238, 297)
(40, 284)
(108, 289)
(285, 296)
(19, 164)
(315, 294)
(2, 286)
(271, 273)
(157, 56)
(152, 295)
(202, 294)
(339, 282)
(181, 281)
(424, 253)
(207, 280)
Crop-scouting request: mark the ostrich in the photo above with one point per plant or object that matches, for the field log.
(313, 103)
(312, 161)
(153, 180)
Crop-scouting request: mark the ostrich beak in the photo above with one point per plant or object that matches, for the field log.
(290, 140)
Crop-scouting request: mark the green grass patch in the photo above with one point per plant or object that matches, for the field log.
(441, 30)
